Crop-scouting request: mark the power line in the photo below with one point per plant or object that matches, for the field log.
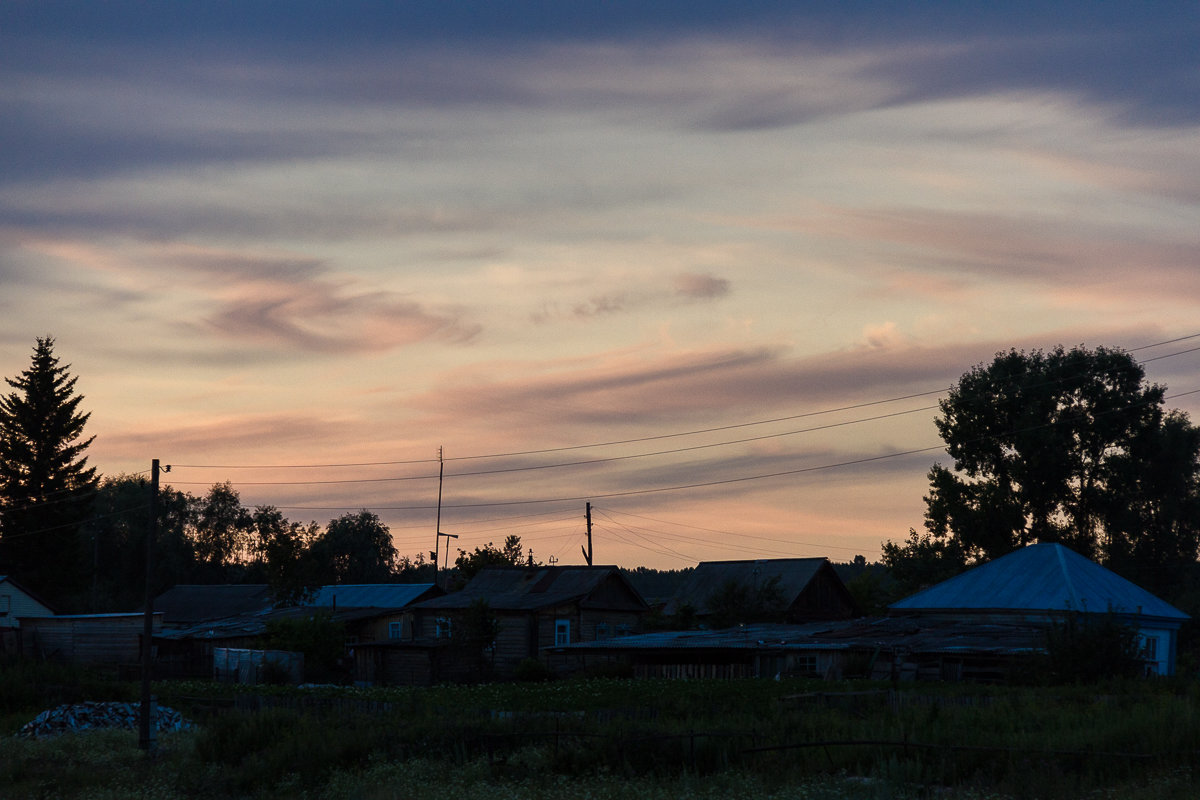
(657, 437)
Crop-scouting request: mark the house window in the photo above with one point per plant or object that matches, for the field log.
(1150, 648)
(562, 632)
(394, 630)
(5, 604)
(443, 628)
(806, 664)
(624, 629)
(603, 631)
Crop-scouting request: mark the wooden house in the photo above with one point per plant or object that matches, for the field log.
(534, 608)
(17, 603)
(200, 619)
(808, 589)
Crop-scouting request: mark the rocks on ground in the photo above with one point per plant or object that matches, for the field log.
(91, 716)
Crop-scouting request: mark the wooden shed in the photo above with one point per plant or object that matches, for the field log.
(89, 638)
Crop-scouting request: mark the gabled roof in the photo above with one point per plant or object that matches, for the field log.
(31, 595)
(1041, 577)
(794, 575)
(196, 603)
(373, 595)
(533, 588)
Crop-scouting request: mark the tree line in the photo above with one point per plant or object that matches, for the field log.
(1070, 446)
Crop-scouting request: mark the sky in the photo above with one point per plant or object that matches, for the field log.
(708, 266)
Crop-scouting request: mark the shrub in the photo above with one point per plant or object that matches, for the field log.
(531, 670)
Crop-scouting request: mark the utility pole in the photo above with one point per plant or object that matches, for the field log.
(437, 526)
(146, 721)
(438, 544)
(587, 552)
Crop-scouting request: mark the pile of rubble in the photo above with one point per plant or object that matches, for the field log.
(90, 716)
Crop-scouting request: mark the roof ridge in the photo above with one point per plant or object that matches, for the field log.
(1076, 603)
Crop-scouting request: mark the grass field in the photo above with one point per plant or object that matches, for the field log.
(623, 739)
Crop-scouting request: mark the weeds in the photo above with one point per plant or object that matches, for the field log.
(609, 737)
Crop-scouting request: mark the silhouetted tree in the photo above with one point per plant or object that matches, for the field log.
(114, 543)
(736, 603)
(468, 565)
(46, 486)
(355, 548)
(222, 531)
(284, 556)
(1070, 446)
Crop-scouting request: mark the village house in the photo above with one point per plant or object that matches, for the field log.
(1042, 584)
(534, 608)
(978, 626)
(808, 589)
(17, 603)
(200, 621)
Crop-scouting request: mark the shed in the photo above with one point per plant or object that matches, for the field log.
(879, 648)
(1045, 582)
(90, 638)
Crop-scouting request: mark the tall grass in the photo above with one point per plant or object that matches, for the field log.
(605, 737)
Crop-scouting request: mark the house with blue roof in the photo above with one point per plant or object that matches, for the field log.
(1042, 583)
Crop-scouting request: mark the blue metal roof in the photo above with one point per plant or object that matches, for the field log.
(371, 595)
(1041, 577)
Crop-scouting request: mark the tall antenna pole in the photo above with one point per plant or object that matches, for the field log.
(587, 553)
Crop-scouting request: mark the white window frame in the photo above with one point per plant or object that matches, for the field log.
(395, 630)
(562, 632)
(443, 628)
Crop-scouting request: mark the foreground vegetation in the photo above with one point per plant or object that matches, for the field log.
(616, 738)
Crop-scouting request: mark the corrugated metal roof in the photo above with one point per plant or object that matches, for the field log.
(194, 603)
(371, 595)
(1041, 577)
(794, 575)
(531, 588)
(923, 636)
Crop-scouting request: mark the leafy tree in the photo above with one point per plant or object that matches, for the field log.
(46, 485)
(468, 565)
(283, 551)
(222, 532)
(1086, 648)
(922, 561)
(475, 632)
(355, 548)
(1069, 446)
(115, 543)
(321, 639)
(415, 570)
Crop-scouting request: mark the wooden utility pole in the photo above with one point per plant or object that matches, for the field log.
(587, 552)
(146, 721)
(437, 526)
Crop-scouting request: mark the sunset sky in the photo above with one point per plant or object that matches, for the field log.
(708, 265)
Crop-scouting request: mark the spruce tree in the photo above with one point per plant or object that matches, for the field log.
(46, 485)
